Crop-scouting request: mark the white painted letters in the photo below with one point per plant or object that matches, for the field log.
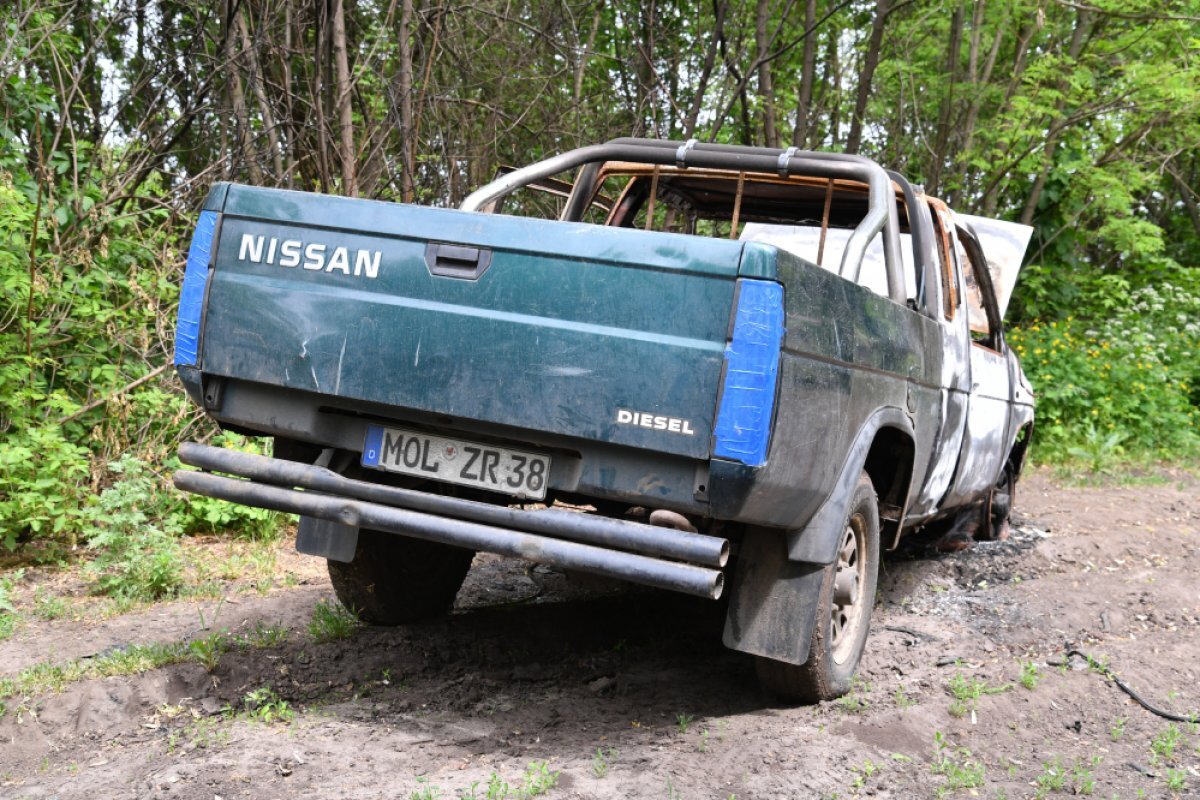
(313, 256)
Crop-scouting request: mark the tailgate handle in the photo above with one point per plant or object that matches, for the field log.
(457, 261)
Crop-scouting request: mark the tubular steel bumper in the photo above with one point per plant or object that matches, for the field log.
(652, 556)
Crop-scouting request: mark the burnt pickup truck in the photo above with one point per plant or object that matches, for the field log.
(710, 369)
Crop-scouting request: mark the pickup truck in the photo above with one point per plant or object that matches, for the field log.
(687, 365)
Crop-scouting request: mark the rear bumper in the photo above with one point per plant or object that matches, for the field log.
(689, 563)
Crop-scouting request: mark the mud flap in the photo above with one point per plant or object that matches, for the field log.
(332, 540)
(773, 605)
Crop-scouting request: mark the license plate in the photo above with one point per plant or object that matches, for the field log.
(466, 463)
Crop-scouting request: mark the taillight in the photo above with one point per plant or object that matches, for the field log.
(743, 430)
(191, 298)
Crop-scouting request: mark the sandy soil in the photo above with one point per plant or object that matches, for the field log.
(628, 693)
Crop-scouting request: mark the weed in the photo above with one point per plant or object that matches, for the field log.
(902, 699)
(48, 606)
(600, 761)
(684, 721)
(863, 773)
(967, 692)
(538, 779)
(332, 621)
(703, 746)
(1163, 745)
(207, 651)
(263, 705)
(957, 765)
(1029, 675)
(8, 612)
(1176, 779)
(1083, 779)
(263, 636)
(1118, 729)
(1053, 777)
(206, 733)
(497, 789)
(136, 558)
(428, 791)
(853, 702)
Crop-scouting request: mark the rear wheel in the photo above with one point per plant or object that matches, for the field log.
(1000, 505)
(394, 579)
(843, 612)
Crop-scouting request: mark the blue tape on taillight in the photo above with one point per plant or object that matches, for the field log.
(191, 298)
(743, 430)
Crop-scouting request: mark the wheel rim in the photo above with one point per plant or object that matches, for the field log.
(847, 605)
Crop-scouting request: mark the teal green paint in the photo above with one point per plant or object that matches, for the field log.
(547, 338)
(759, 261)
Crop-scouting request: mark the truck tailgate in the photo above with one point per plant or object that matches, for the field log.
(605, 334)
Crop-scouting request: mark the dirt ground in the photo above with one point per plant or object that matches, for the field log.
(627, 693)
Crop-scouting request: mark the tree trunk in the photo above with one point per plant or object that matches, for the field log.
(255, 77)
(404, 89)
(710, 58)
(349, 156)
(237, 97)
(766, 89)
(867, 74)
(318, 95)
(937, 161)
(800, 134)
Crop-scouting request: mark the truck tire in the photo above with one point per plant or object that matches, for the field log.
(394, 579)
(843, 612)
(999, 506)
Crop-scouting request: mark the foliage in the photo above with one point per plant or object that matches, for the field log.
(263, 705)
(138, 556)
(1078, 119)
(332, 621)
(959, 767)
(968, 690)
(8, 612)
(1121, 385)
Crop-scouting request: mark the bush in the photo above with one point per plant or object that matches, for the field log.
(43, 482)
(138, 555)
(1126, 387)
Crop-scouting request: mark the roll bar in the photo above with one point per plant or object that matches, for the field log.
(881, 215)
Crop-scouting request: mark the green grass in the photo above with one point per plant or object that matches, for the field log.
(852, 702)
(208, 651)
(968, 690)
(263, 705)
(1163, 745)
(1029, 675)
(1176, 779)
(46, 677)
(332, 621)
(536, 780)
(600, 761)
(50, 607)
(956, 765)
(264, 636)
(1118, 729)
